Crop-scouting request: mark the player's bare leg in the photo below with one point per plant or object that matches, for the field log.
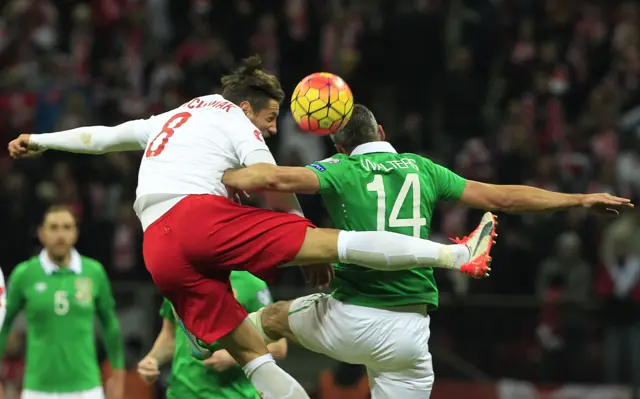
(247, 347)
(383, 250)
(272, 322)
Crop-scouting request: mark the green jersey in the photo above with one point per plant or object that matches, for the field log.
(60, 306)
(189, 377)
(376, 188)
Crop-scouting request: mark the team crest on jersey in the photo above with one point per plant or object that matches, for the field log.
(83, 287)
(330, 160)
(41, 286)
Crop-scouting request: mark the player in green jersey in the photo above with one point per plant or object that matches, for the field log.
(380, 319)
(218, 376)
(61, 293)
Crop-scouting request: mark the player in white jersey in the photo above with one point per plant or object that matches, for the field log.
(194, 235)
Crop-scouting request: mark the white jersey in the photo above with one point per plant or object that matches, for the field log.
(186, 150)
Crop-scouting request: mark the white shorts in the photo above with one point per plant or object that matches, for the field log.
(95, 393)
(393, 343)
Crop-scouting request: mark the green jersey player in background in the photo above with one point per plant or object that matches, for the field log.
(61, 292)
(218, 376)
(380, 318)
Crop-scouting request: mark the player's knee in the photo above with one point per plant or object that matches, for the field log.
(275, 320)
(319, 246)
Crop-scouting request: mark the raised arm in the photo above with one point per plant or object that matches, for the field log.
(128, 136)
(520, 199)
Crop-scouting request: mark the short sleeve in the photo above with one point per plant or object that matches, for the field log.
(245, 138)
(327, 171)
(450, 186)
(166, 310)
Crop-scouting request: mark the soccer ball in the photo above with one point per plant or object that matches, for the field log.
(322, 103)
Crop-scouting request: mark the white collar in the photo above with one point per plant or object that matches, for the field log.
(75, 263)
(373, 146)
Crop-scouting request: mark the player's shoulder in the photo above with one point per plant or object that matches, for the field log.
(425, 162)
(337, 160)
(91, 264)
(26, 268)
(26, 265)
(334, 159)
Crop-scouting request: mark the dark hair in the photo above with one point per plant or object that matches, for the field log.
(251, 83)
(361, 128)
(58, 208)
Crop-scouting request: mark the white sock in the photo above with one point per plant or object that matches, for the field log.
(256, 319)
(271, 381)
(382, 250)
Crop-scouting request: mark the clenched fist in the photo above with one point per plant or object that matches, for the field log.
(148, 369)
(22, 147)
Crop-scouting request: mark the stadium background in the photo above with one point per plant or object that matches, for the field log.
(507, 91)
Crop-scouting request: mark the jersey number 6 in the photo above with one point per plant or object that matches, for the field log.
(156, 146)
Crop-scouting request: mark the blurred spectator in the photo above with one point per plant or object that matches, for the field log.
(564, 283)
(620, 284)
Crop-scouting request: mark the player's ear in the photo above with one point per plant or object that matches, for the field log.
(247, 109)
(381, 133)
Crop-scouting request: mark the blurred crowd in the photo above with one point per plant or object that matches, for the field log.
(513, 92)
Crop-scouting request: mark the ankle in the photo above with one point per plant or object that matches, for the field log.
(454, 256)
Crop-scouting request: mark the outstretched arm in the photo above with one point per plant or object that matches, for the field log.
(128, 136)
(257, 176)
(269, 177)
(520, 199)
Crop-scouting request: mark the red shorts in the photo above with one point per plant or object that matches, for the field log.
(191, 250)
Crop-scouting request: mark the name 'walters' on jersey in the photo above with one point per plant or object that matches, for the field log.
(378, 189)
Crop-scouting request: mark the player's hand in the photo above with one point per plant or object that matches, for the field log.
(237, 195)
(148, 369)
(220, 361)
(318, 276)
(606, 204)
(22, 148)
(115, 385)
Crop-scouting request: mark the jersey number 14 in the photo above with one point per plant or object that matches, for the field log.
(411, 184)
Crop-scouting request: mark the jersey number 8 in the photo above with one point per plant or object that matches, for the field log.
(411, 183)
(156, 146)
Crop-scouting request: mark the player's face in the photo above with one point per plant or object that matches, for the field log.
(265, 119)
(58, 233)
